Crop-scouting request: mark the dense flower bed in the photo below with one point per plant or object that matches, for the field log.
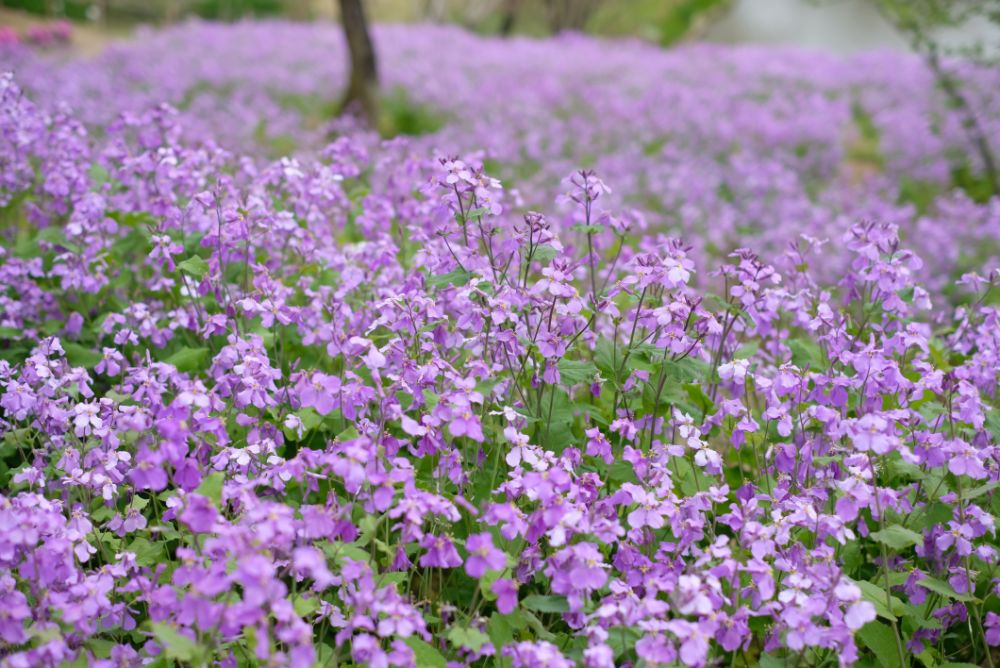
(370, 405)
(57, 33)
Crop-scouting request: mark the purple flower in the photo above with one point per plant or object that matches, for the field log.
(869, 433)
(957, 534)
(598, 445)
(199, 514)
(321, 392)
(527, 654)
(13, 611)
(148, 472)
(649, 513)
(483, 556)
(694, 641)
(441, 552)
(992, 626)
(576, 571)
(858, 614)
(111, 362)
(375, 351)
(255, 574)
(466, 424)
(311, 563)
(964, 460)
(506, 592)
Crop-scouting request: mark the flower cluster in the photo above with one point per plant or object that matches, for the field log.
(373, 405)
(55, 33)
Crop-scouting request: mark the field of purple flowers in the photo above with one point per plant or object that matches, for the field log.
(619, 357)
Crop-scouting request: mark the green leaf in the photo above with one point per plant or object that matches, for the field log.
(945, 589)
(83, 661)
(587, 229)
(806, 353)
(607, 358)
(573, 372)
(53, 234)
(146, 553)
(425, 654)
(100, 647)
(394, 577)
(338, 551)
(457, 277)
(876, 596)
(546, 603)
(431, 399)
(211, 487)
(933, 513)
(139, 219)
(349, 434)
(309, 417)
(194, 266)
(536, 625)
(78, 355)
(903, 468)
(939, 358)
(188, 359)
(880, 639)
(305, 606)
(98, 175)
(929, 658)
(501, 630)
(768, 661)
(699, 399)
(932, 410)
(138, 502)
(622, 639)
(325, 654)
(690, 477)
(898, 537)
(175, 645)
(621, 472)
(686, 370)
(467, 637)
(993, 424)
(979, 491)
(368, 525)
(545, 253)
(52, 327)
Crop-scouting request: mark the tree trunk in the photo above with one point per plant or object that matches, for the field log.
(362, 87)
(569, 14)
(508, 17)
(435, 11)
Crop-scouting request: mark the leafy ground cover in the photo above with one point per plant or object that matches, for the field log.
(614, 356)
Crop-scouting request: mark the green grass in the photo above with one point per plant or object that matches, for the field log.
(402, 115)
